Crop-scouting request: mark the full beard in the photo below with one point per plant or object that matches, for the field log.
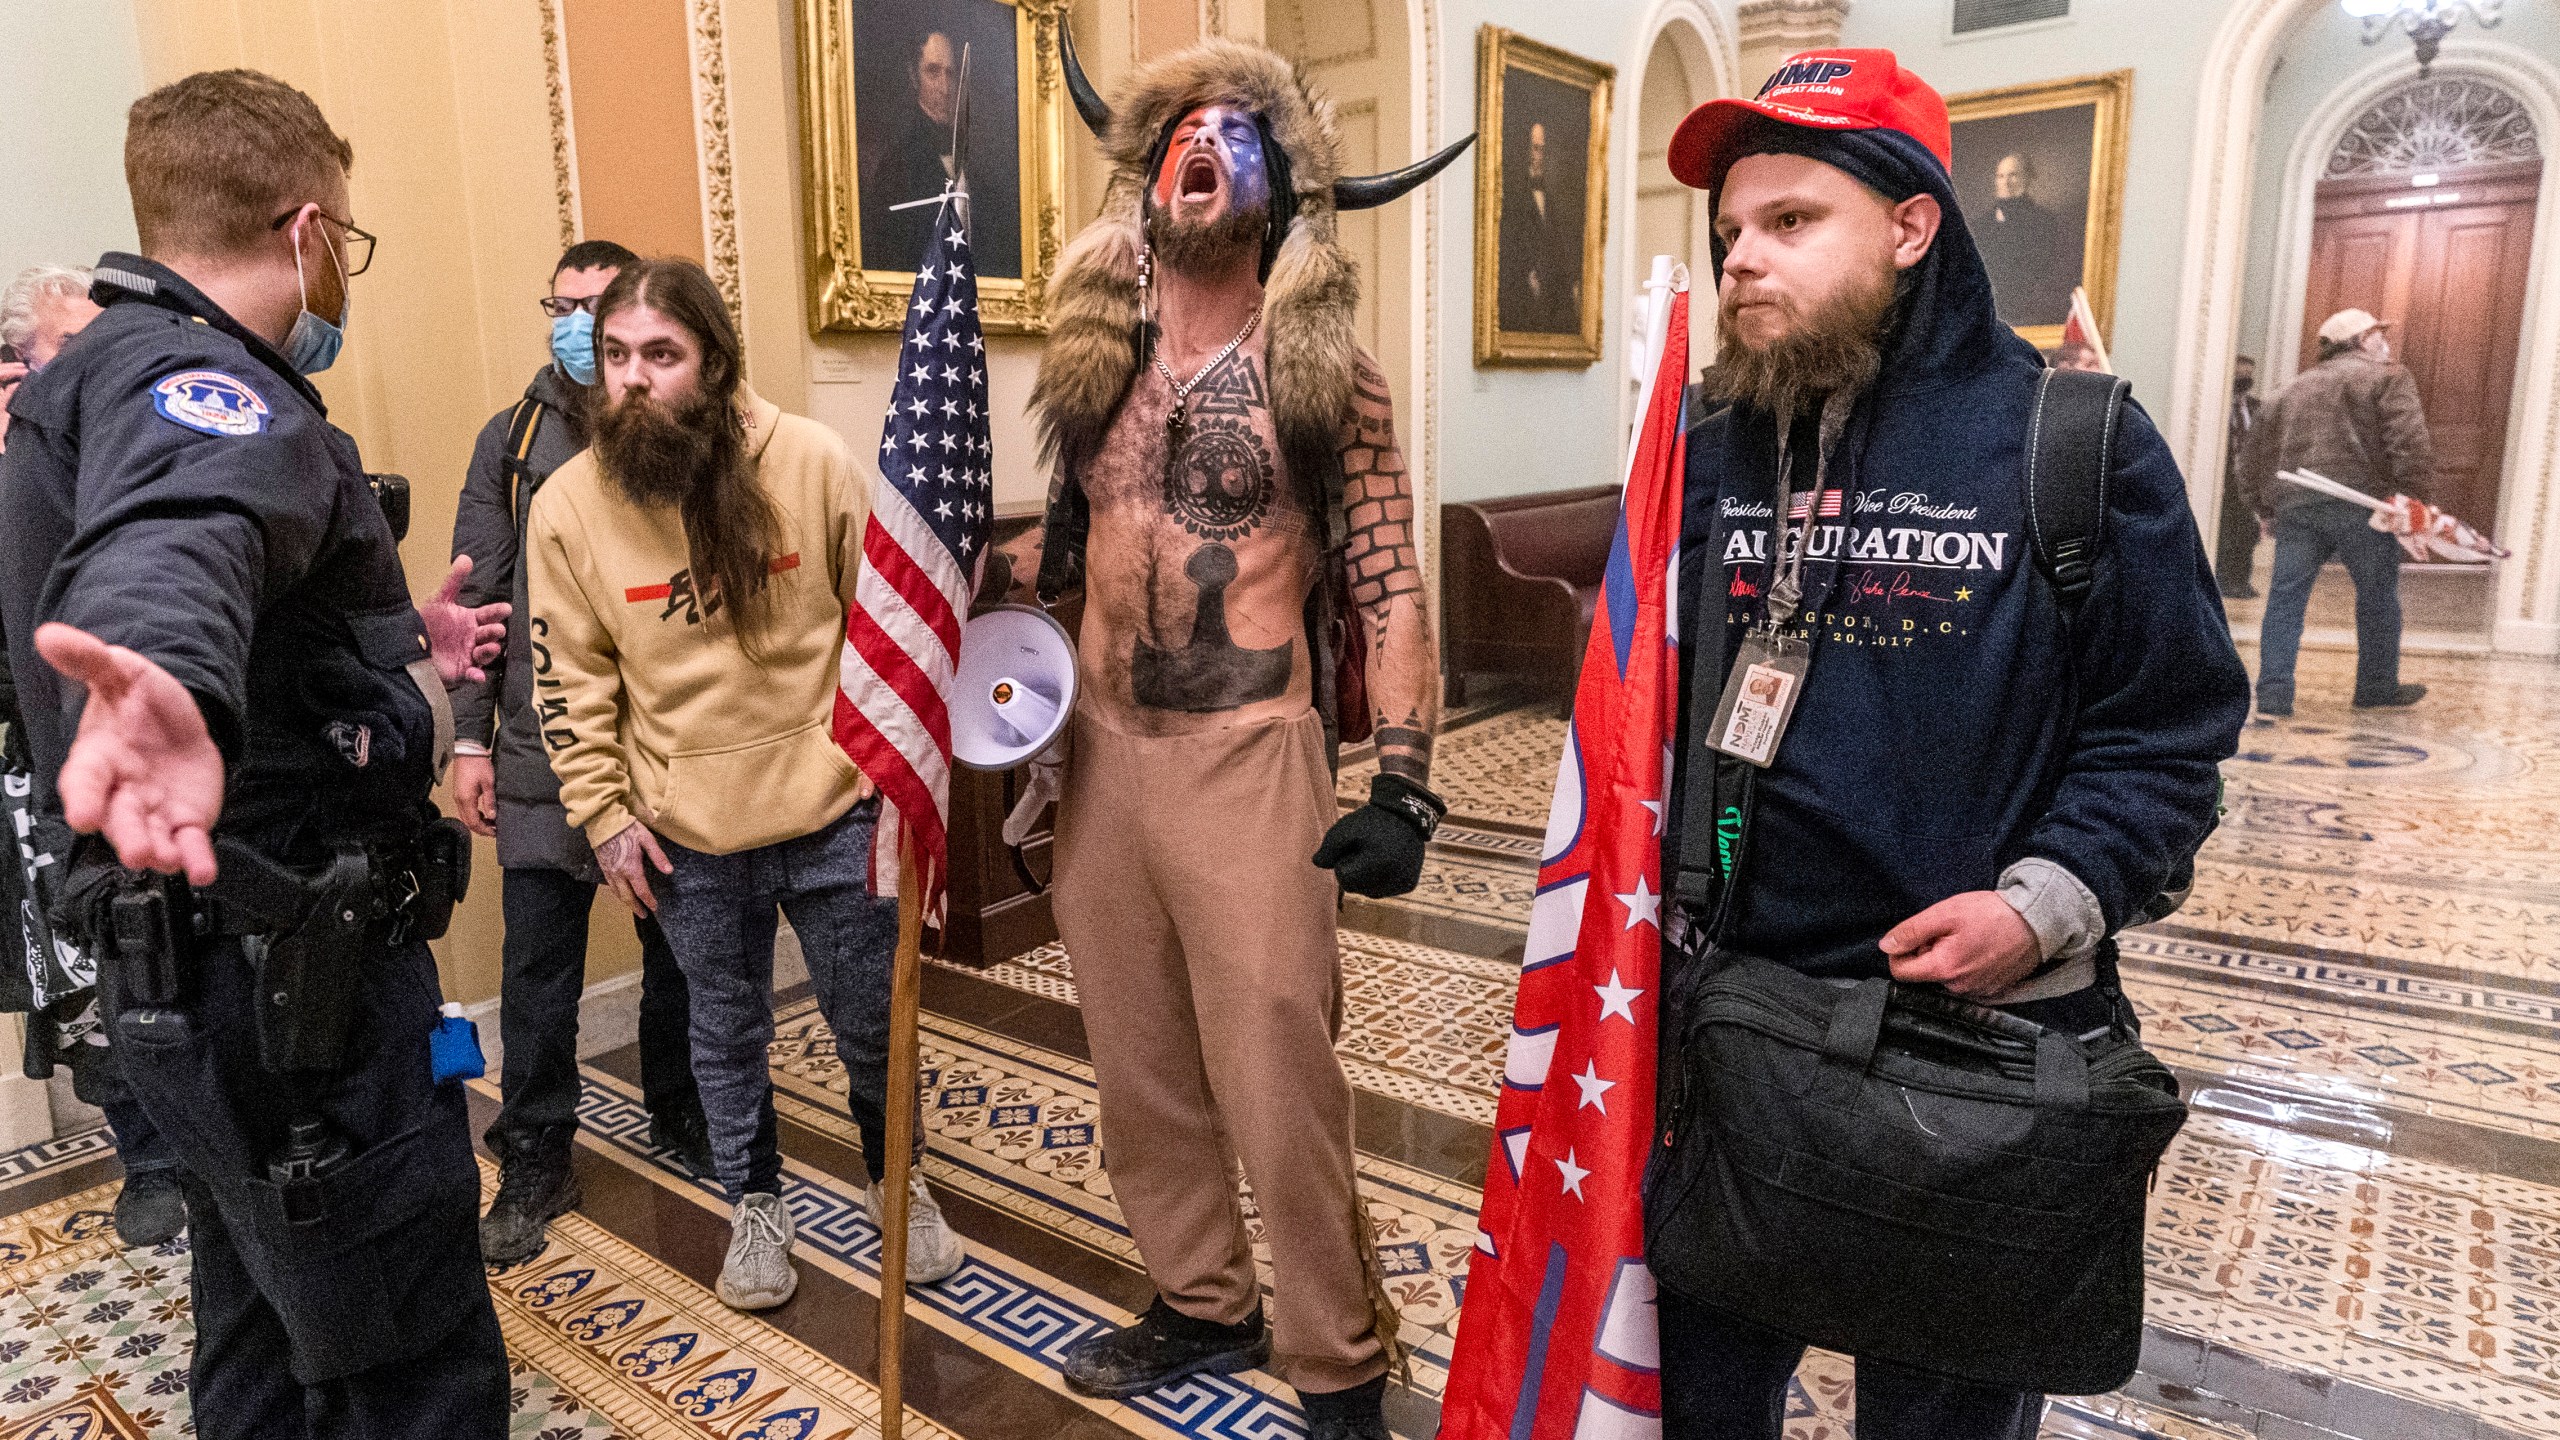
(655, 454)
(1837, 349)
(1202, 246)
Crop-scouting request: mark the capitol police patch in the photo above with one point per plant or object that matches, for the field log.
(210, 401)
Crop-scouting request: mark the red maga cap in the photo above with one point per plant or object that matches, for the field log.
(1819, 90)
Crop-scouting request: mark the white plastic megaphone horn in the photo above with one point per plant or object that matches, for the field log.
(1015, 688)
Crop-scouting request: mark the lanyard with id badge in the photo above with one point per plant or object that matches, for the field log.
(1767, 676)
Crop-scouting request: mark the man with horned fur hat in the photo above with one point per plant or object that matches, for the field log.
(1230, 499)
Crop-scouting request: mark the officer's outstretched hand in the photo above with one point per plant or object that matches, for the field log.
(143, 771)
(462, 637)
(626, 859)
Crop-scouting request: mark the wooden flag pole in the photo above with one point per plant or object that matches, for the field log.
(905, 980)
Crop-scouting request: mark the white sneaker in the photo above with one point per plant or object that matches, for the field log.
(758, 1273)
(933, 1252)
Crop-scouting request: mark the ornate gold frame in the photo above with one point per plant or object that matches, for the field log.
(844, 296)
(2112, 93)
(1498, 49)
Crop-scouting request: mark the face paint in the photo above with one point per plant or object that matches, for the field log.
(1233, 142)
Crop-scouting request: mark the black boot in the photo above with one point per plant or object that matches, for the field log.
(2393, 699)
(1163, 1346)
(151, 1209)
(535, 1182)
(1359, 1413)
(687, 1135)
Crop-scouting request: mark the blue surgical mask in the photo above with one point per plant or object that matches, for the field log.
(311, 346)
(573, 346)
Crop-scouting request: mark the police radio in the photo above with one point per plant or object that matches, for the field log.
(391, 492)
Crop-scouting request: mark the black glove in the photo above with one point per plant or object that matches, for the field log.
(1376, 850)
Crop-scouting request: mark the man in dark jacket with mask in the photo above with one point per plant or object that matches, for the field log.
(2003, 786)
(503, 787)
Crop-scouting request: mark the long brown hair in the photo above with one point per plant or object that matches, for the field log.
(730, 524)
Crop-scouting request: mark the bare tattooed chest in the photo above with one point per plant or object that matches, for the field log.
(1200, 553)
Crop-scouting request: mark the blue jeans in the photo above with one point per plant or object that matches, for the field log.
(718, 912)
(2306, 536)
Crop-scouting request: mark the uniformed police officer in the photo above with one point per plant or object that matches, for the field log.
(245, 696)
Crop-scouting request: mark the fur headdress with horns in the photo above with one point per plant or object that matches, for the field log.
(1095, 343)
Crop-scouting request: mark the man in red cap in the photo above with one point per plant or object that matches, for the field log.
(2004, 783)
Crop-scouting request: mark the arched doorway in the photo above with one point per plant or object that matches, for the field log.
(1670, 218)
(2525, 611)
(2424, 215)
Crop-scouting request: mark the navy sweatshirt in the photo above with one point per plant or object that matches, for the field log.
(1951, 723)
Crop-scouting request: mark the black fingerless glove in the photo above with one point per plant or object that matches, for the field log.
(1376, 850)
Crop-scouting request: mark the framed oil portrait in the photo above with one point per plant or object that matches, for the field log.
(879, 83)
(1542, 201)
(2040, 173)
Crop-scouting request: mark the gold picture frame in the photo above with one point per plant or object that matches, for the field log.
(1523, 315)
(845, 293)
(2044, 118)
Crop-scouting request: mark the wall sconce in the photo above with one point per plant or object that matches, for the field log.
(2427, 21)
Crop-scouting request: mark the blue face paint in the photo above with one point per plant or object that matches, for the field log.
(573, 346)
(1233, 135)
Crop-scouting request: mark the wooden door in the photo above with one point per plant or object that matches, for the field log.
(2448, 261)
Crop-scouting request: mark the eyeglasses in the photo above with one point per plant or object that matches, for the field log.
(359, 243)
(556, 306)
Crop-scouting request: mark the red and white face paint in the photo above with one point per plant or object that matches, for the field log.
(1213, 168)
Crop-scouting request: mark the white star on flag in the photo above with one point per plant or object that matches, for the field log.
(1572, 1175)
(1656, 807)
(1643, 907)
(1617, 998)
(1593, 1087)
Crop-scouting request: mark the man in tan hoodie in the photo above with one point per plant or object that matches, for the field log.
(689, 578)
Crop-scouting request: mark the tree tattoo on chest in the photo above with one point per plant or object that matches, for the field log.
(1212, 672)
(1219, 474)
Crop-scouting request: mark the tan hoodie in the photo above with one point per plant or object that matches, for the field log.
(649, 708)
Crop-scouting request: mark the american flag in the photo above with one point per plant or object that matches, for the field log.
(932, 517)
(1557, 1334)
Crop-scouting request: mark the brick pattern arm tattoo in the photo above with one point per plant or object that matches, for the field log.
(1384, 560)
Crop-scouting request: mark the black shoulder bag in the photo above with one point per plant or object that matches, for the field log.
(1888, 1170)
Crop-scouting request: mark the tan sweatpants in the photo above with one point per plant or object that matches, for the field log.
(1203, 943)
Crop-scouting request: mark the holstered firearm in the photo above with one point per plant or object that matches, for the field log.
(306, 976)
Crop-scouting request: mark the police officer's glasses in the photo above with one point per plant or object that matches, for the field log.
(359, 242)
(556, 306)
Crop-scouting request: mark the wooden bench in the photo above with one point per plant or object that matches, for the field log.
(1519, 579)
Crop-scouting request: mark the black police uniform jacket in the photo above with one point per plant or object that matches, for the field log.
(173, 487)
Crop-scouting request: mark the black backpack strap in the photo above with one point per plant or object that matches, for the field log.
(523, 428)
(2071, 442)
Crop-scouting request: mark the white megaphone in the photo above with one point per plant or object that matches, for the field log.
(1014, 690)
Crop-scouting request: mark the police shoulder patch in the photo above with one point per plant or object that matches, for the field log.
(210, 401)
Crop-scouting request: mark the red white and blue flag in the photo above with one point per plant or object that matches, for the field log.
(932, 517)
(1556, 1337)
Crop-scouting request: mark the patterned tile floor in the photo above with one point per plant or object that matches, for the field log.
(2371, 946)
(602, 1341)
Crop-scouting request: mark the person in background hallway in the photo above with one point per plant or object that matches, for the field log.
(2236, 548)
(210, 628)
(2354, 418)
(503, 787)
(694, 737)
(43, 308)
